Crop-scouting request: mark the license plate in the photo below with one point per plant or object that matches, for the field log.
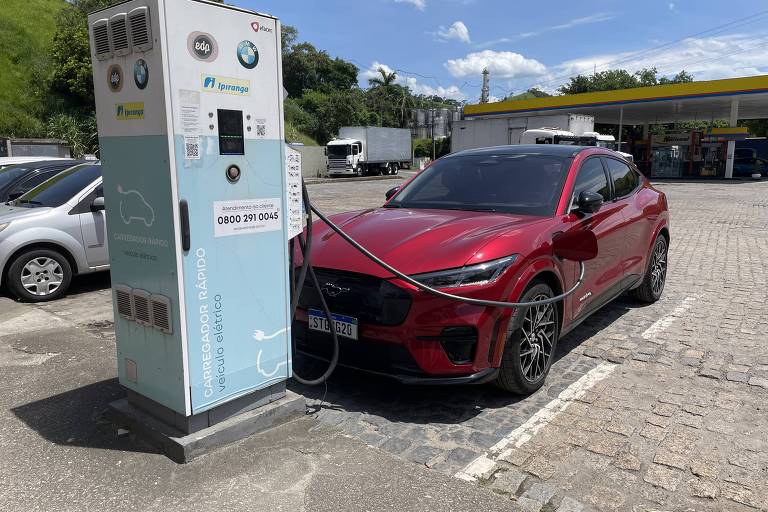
(346, 326)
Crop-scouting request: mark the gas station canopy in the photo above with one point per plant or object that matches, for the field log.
(693, 101)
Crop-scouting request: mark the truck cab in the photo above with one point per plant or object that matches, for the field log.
(345, 157)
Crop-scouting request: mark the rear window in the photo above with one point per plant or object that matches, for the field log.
(625, 180)
(517, 183)
(61, 188)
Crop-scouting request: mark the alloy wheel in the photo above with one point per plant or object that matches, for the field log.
(538, 338)
(42, 276)
(659, 267)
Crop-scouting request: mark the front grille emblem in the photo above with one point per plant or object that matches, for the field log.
(332, 290)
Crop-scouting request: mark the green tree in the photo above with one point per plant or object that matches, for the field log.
(307, 68)
(333, 110)
(387, 79)
(614, 79)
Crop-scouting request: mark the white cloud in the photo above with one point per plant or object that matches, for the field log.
(458, 30)
(586, 20)
(450, 92)
(500, 64)
(419, 4)
(671, 6)
(709, 58)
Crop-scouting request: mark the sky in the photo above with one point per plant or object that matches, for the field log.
(441, 46)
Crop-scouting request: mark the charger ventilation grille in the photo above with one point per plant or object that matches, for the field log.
(124, 302)
(141, 30)
(142, 308)
(101, 39)
(161, 313)
(118, 31)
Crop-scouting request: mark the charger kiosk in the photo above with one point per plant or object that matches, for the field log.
(190, 117)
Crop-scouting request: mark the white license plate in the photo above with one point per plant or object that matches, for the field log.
(346, 326)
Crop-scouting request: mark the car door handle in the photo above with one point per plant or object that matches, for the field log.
(184, 213)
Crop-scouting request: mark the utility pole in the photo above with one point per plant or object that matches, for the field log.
(432, 124)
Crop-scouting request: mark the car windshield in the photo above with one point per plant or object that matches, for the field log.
(11, 173)
(338, 151)
(516, 183)
(61, 188)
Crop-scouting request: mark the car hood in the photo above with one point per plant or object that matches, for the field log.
(9, 213)
(415, 241)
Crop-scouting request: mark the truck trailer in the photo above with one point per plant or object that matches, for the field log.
(362, 150)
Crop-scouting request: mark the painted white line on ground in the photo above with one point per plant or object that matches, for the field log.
(661, 325)
(485, 465)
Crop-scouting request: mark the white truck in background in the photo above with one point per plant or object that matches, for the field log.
(361, 150)
(556, 136)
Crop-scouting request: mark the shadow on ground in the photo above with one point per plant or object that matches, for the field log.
(355, 391)
(76, 418)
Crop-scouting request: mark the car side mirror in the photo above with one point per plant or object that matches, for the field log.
(578, 245)
(589, 202)
(97, 204)
(391, 192)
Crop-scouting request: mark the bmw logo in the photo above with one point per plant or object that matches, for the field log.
(247, 54)
(141, 73)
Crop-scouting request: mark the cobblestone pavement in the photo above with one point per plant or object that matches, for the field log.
(678, 424)
(659, 407)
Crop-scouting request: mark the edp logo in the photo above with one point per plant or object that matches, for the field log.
(202, 46)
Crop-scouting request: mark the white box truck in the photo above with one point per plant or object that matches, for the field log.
(361, 150)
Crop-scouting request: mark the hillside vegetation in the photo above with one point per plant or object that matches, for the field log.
(26, 35)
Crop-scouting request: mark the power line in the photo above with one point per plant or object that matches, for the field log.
(753, 18)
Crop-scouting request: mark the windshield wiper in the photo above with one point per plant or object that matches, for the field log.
(28, 201)
(390, 205)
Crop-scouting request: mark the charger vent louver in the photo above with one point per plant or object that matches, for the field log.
(124, 302)
(141, 308)
(161, 313)
(118, 32)
(101, 39)
(141, 29)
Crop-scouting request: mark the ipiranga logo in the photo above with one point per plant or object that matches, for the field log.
(226, 85)
(126, 111)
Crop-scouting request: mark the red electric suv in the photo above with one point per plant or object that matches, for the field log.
(480, 223)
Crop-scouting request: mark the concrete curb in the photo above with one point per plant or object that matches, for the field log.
(315, 181)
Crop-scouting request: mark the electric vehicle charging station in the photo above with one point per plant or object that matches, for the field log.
(190, 116)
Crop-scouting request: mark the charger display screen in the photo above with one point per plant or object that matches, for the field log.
(231, 140)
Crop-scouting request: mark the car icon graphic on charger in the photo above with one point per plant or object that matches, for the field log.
(133, 207)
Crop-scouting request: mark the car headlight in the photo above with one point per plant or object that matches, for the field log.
(3, 226)
(473, 275)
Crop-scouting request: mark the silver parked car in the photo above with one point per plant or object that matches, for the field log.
(53, 232)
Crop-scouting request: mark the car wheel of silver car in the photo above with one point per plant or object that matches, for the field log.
(531, 342)
(39, 275)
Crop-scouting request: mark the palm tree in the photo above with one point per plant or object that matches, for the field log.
(386, 79)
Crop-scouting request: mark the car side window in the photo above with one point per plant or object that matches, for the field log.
(625, 180)
(30, 183)
(592, 178)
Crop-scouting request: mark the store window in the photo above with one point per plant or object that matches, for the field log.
(625, 180)
(592, 178)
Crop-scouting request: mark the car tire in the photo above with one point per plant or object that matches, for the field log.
(359, 171)
(39, 275)
(395, 169)
(655, 277)
(524, 365)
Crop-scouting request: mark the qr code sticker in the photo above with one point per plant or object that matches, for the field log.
(261, 127)
(192, 148)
